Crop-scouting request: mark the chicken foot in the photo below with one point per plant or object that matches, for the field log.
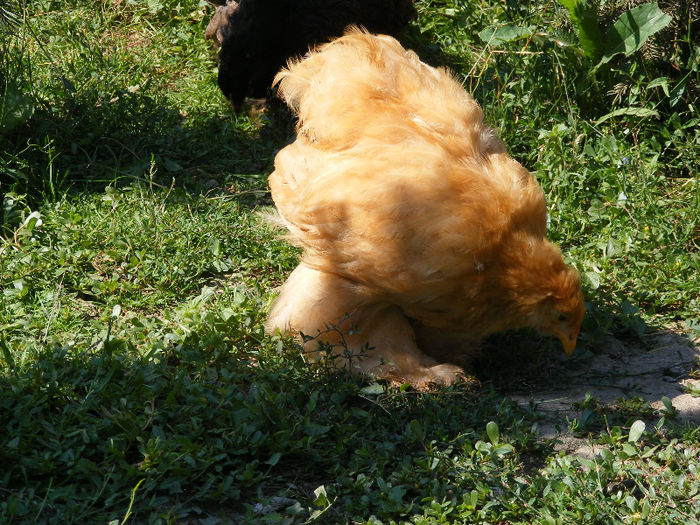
(371, 338)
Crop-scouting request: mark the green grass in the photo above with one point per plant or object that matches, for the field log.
(136, 383)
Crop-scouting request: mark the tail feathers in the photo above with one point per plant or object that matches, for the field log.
(271, 218)
(334, 88)
(363, 82)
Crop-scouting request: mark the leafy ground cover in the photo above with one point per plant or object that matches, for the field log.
(136, 383)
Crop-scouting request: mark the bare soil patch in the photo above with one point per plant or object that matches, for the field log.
(665, 365)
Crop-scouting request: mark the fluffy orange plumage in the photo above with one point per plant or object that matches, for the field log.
(421, 235)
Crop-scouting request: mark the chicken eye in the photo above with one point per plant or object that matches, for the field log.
(562, 318)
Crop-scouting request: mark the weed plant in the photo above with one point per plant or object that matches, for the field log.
(136, 383)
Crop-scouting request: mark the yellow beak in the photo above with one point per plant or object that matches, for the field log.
(568, 341)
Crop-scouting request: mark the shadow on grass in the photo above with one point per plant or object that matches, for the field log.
(89, 140)
(621, 371)
(213, 422)
(81, 140)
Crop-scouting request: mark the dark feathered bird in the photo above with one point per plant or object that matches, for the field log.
(260, 36)
(219, 20)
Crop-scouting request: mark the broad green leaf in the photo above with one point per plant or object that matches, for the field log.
(315, 430)
(585, 21)
(593, 279)
(396, 494)
(500, 35)
(503, 450)
(116, 311)
(632, 29)
(628, 308)
(668, 405)
(154, 6)
(15, 108)
(171, 166)
(492, 431)
(632, 111)
(416, 431)
(597, 208)
(32, 221)
(661, 81)
(373, 389)
(606, 454)
(693, 389)
(676, 93)
(274, 459)
(636, 431)
(7, 354)
(321, 499)
(627, 450)
(214, 246)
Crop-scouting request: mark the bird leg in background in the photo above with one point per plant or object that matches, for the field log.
(372, 339)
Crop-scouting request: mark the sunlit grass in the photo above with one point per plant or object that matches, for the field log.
(136, 275)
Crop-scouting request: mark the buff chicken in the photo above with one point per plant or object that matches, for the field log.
(420, 234)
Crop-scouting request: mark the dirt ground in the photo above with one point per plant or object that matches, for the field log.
(660, 367)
